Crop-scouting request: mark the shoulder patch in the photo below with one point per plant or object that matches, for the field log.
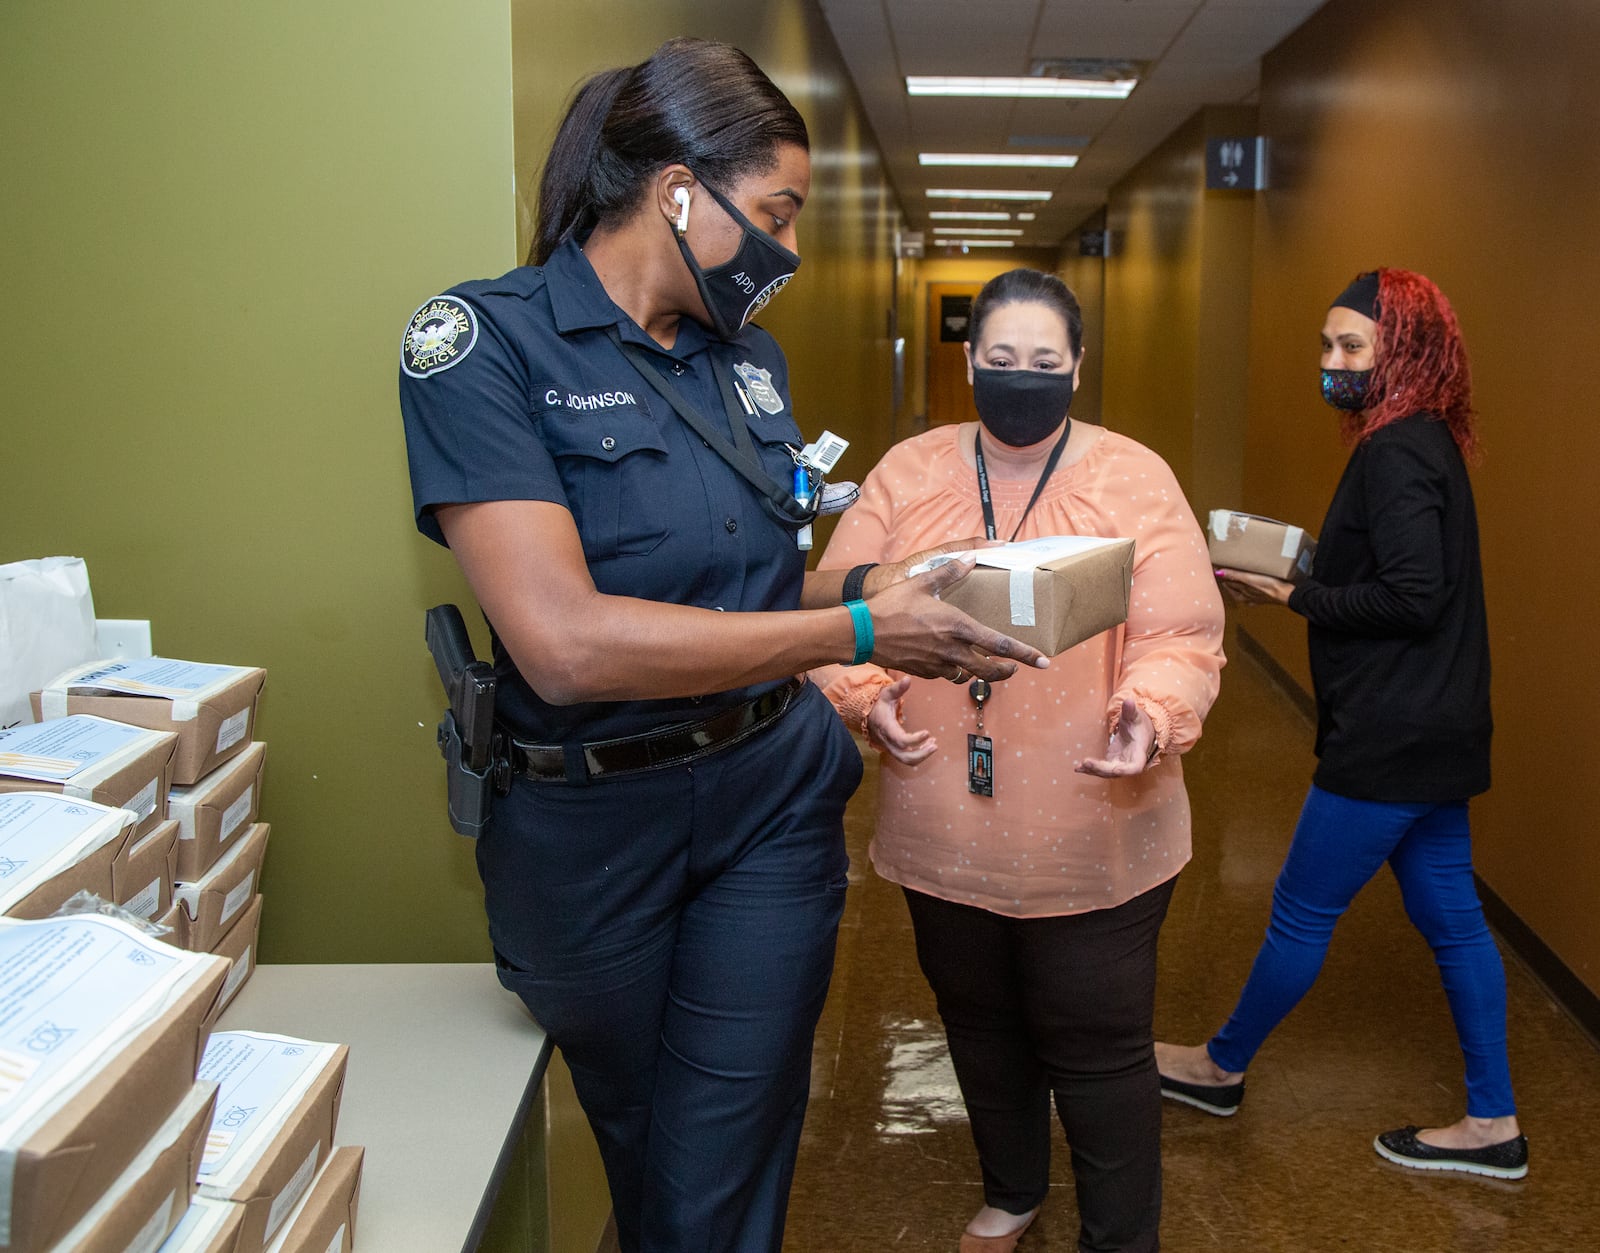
(440, 334)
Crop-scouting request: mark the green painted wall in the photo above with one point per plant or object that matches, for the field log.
(217, 219)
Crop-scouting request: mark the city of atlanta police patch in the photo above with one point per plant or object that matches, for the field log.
(441, 333)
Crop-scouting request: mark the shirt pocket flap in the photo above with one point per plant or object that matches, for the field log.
(607, 435)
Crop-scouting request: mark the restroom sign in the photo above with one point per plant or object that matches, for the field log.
(1237, 163)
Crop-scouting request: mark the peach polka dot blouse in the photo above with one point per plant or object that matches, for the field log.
(1049, 841)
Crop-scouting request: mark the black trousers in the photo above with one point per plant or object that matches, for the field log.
(1035, 1007)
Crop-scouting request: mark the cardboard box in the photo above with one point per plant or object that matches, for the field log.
(211, 709)
(238, 945)
(144, 872)
(211, 904)
(142, 1208)
(92, 759)
(52, 846)
(211, 812)
(325, 1219)
(1257, 545)
(103, 1032)
(207, 1226)
(1051, 592)
(276, 1113)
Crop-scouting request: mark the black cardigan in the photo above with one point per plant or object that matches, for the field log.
(1398, 637)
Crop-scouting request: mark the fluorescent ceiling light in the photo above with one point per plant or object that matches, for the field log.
(979, 193)
(1022, 217)
(976, 215)
(980, 243)
(976, 230)
(1077, 88)
(1020, 160)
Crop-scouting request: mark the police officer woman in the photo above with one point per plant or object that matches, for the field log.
(604, 442)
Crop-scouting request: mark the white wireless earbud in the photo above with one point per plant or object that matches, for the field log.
(681, 195)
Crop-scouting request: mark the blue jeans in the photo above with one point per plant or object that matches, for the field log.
(673, 931)
(1338, 846)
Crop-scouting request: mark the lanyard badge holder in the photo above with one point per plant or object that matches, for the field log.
(811, 489)
(980, 747)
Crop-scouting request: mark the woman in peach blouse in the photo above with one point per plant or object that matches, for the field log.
(1038, 877)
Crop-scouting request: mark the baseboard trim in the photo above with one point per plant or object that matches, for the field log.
(1559, 980)
(1257, 652)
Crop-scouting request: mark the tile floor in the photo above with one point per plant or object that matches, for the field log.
(887, 1164)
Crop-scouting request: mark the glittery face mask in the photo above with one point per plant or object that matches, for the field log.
(1346, 389)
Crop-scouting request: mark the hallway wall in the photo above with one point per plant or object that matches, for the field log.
(1177, 287)
(217, 220)
(1456, 137)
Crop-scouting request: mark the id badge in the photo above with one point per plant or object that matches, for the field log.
(980, 765)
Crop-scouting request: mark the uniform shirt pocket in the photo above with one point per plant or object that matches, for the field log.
(613, 464)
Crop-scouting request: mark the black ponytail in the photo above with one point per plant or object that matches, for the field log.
(696, 102)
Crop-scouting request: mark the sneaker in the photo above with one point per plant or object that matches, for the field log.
(1221, 1099)
(1506, 1160)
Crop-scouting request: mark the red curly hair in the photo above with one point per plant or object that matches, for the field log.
(1420, 362)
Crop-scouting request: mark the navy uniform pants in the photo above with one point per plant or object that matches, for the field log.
(673, 932)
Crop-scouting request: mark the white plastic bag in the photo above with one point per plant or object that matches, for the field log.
(46, 626)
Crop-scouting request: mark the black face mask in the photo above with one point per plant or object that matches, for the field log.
(1021, 407)
(735, 291)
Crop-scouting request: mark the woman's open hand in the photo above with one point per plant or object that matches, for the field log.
(887, 729)
(1240, 588)
(1131, 747)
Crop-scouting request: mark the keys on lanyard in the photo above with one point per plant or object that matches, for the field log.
(980, 748)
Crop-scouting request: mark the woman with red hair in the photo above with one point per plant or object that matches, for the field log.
(1399, 651)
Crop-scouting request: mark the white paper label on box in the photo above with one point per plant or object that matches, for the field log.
(337, 1244)
(147, 902)
(232, 730)
(261, 1078)
(69, 987)
(237, 814)
(42, 834)
(56, 750)
(236, 976)
(154, 1233)
(185, 682)
(237, 899)
(292, 1191)
(1292, 535)
(144, 804)
(1022, 597)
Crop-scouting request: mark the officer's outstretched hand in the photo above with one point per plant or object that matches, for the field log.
(917, 632)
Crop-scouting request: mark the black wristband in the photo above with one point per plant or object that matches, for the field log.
(856, 580)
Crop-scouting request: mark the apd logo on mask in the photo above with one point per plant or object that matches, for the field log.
(440, 335)
(758, 383)
(759, 302)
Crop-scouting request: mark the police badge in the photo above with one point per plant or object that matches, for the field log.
(758, 383)
(440, 335)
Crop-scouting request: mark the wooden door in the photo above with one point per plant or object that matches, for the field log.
(949, 393)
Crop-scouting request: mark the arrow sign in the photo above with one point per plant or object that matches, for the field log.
(1236, 163)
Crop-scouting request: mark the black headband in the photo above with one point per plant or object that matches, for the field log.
(1361, 295)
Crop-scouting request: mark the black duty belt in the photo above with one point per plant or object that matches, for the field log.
(676, 745)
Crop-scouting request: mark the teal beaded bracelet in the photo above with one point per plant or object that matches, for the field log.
(861, 619)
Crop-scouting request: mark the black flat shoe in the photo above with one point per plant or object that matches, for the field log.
(1506, 1160)
(1221, 1099)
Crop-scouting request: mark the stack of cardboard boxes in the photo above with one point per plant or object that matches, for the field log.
(121, 1128)
(213, 794)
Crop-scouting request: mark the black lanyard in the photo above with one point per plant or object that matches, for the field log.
(983, 480)
(740, 453)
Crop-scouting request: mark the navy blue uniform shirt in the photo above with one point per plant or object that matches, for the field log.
(512, 389)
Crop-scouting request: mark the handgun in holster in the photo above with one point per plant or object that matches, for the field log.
(476, 766)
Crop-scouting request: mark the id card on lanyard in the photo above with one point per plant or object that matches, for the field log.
(980, 747)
